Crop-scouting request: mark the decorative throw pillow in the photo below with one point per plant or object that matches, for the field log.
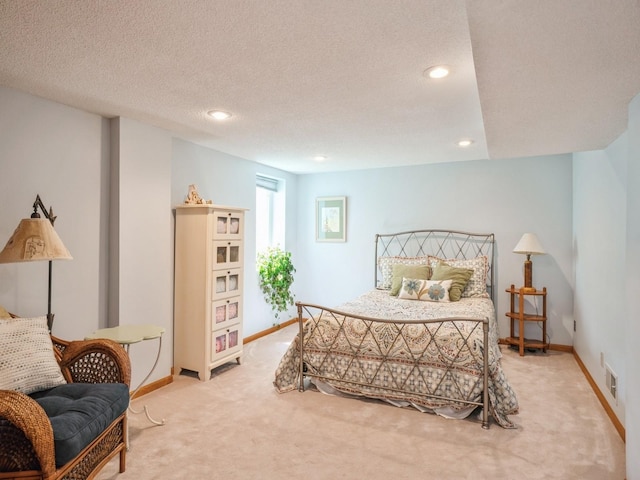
(477, 285)
(27, 361)
(421, 272)
(459, 276)
(425, 290)
(4, 313)
(385, 265)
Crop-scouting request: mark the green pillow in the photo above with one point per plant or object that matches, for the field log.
(460, 277)
(399, 271)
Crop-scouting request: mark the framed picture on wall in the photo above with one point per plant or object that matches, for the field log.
(331, 219)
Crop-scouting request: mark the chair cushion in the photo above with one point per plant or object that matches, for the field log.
(80, 412)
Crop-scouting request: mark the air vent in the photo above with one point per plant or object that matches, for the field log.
(612, 382)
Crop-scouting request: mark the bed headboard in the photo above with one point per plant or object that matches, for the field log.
(439, 243)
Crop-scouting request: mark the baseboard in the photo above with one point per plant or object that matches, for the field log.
(268, 331)
(561, 348)
(607, 408)
(150, 387)
(552, 346)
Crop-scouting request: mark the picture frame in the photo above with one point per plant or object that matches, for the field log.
(331, 219)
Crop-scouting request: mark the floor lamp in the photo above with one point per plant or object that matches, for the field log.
(36, 240)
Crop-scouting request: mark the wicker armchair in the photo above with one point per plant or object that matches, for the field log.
(27, 448)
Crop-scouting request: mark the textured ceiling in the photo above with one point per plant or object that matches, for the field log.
(340, 78)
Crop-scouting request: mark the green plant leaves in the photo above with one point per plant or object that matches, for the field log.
(275, 271)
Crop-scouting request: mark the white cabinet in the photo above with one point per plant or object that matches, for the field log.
(209, 269)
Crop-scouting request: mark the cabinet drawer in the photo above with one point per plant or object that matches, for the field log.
(226, 312)
(227, 254)
(228, 225)
(227, 283)
(226, 341)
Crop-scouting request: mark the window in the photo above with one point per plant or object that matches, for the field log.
(270, 210)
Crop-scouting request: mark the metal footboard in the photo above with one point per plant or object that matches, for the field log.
(428, 362)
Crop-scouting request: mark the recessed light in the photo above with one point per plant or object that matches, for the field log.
(437, 71)
(465, 142)
(319, 158)
(219, 114)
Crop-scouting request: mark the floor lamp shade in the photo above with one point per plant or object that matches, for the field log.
(34, 240)
(529, 245)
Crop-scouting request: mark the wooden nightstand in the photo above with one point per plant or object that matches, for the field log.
(517, 314)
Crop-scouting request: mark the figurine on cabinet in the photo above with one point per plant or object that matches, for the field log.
(194, 198)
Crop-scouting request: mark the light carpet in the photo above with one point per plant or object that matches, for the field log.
(236, 426)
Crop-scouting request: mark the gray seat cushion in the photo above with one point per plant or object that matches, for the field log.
(80, 412)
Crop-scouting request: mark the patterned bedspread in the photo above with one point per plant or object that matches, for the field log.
(401, 361)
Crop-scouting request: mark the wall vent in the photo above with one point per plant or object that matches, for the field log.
(612, 382)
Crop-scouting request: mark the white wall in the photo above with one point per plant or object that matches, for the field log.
(141, 276)
(506, 197)
(599, 218)
(62, 154)
(632, 319)
(229, 180)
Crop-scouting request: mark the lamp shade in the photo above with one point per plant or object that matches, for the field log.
(529, 245)
(34, 240)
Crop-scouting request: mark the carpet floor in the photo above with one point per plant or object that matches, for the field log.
(236, 426)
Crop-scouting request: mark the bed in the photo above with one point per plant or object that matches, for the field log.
(390, 344)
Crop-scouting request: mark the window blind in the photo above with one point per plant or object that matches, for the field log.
(267, 183)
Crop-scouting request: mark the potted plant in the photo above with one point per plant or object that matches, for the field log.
(275, 272)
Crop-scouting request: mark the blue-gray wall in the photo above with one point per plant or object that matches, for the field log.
(632, 281)
(505, 197)
(229, 180)
(62, 154)
(599, 219)
(606, 238)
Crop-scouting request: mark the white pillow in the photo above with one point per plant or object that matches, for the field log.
(477, 284)
(27, 361)
(425, 290)
(385, 264)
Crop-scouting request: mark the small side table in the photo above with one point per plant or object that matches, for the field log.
(517, 314)
(125, 335)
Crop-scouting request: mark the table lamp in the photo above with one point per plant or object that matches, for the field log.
(35, 240)
(529, 245)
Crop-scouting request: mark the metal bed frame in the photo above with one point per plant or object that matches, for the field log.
(439, 243)
(316, 319)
